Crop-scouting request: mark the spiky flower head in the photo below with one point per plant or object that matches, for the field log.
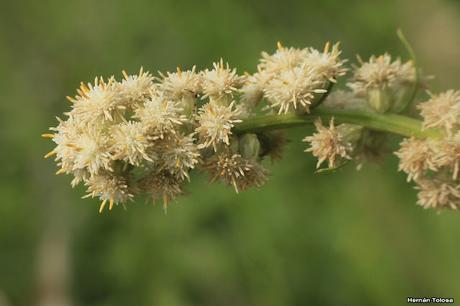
(108, 188)
(160, 116)
(215, 124)
(328, 144)
(131, 143)
(293, 89)
(283, 59)
(180, 84)
(134, 90)
(220, 82)
(442, 111)
(327, 64)
(381, 72)
(97, 102)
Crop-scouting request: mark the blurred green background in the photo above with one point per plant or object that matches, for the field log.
(349, 238)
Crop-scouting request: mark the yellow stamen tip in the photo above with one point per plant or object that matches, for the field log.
(48, 135)
(49, 154)
(101, 208)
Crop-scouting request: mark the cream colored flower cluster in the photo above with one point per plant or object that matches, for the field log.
(434, 164)
(143, 135)
(293, 79)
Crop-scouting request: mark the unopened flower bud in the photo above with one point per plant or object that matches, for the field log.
(379, 99)
(249, 146)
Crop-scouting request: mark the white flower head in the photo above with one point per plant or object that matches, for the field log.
(293, 89)
(181, 84)
(131, 143)
(91, 149)
(442, 111)
(326, 64)
(283, 59)
(98, 102)
(381, 72)
(438, 194)
(134, 90)
(328, 143)
(220, 82)
(160, 116)
(215, 123)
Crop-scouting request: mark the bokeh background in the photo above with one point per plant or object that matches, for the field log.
(348, 238)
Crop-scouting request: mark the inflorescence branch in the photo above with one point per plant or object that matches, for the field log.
(145, 134)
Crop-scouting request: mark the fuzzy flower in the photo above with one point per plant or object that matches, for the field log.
(108, 188)
(160, 116)
(220, 82)
(215, 124)
(328, 144)
(134, 90)
(326, 64)
(236, 171)
(181, 84)
(98, 102)
(131, 143)
(293, 89)
(92, 151)
(381, 72)
(179, 154)
(283, 59)
(442, 111)
(438, 194)
(416, 157)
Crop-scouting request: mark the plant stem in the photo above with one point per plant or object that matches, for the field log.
(391, 123)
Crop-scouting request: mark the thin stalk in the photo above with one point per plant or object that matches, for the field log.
(391, 123)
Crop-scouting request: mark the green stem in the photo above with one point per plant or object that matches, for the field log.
(391, 123)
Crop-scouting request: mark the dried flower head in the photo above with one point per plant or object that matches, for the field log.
(442, 111)
(236, 171)
(328, 144)
(417, 156)
(438, 194)
(161, 186)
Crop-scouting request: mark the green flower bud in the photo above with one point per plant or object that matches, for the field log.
(401, 97)
(379, 99)
(249, 146)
